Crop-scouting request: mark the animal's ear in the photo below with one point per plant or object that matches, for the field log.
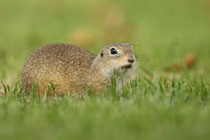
(102, 53)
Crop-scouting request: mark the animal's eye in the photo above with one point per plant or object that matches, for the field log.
(113, 51)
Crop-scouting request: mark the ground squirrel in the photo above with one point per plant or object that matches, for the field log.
(71, 68)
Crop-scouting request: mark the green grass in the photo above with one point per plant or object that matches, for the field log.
(155, 105)
(155, 108)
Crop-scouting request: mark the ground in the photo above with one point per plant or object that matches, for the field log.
(168, 98)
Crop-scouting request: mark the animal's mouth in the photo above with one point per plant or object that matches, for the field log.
(126, 67)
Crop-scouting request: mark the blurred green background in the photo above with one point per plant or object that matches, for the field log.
(171, 39)
(163, 32)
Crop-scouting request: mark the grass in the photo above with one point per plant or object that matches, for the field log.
(157, 104)
(154, 108)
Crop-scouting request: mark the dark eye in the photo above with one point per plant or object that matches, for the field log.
(113, 51)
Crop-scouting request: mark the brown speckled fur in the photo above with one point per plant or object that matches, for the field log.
(66, 66)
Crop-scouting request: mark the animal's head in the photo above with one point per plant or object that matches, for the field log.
(116, 57)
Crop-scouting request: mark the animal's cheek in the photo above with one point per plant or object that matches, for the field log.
(108, 65)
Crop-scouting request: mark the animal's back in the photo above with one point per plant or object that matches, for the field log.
(61, 64)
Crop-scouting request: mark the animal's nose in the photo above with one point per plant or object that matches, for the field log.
(131, 60)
